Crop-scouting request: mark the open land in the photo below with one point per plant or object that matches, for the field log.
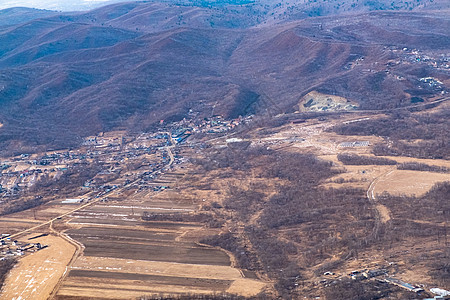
(111, 252)
(153, 148)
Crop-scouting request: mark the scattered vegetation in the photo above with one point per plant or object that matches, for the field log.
(424, 135)
(270, 224)
(282, 222)
(422, 167)
(354, 159)
(423, 217)
(5, 266)
(217, 296)
(433, 206)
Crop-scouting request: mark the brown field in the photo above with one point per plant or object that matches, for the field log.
(124, 257)
(38, 273)
(405, 182)
(152, 250)
(155, 279)
(11, 226)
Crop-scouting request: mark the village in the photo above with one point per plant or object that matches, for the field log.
(126, 161)
(113, 150)
(144, 166)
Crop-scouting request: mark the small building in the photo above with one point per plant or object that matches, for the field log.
(374, 273)
(354, 144)
(404, 285)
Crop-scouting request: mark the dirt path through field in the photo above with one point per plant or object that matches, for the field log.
(383, 212)
(76, 254)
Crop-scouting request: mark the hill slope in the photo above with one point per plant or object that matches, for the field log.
(131, 65)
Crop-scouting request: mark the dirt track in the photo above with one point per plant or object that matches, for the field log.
(384, 214)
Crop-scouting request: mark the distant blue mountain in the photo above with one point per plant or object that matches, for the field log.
(17, 15)
(58, 5)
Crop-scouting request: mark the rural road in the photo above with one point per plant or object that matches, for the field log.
(56, 218)
(383, 212)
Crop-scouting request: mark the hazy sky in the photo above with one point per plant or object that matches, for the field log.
(64, 5)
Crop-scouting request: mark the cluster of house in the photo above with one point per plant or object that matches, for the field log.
(216, 124)
(9, 247)
(13, 180)
(415, 55)
(25, 170)
(113, 149)
(367, 274)
(381, 275)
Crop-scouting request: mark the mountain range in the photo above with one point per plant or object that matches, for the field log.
(64, 76)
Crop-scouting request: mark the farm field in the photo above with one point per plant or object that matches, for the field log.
(409, 183)
(36, 275)
(105, 250)
(125, 257)
(205, 225)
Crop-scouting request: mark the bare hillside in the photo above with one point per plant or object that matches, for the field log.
(130, 65)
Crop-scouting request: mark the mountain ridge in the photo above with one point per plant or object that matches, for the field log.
(63, 79)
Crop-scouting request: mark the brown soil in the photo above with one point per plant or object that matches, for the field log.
(37, 274)
(405, 182)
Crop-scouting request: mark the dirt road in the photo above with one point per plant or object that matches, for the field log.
(384, 215)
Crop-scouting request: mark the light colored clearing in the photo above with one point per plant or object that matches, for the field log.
(415, 275)
(37, 274)
(242, 286)
(246, 287)
(123, 289)
(315, 101)
(405, 182)
(433, 162)
(158, 268)
(1, 125)
(21, 167)
(383, 212)
(355, 176)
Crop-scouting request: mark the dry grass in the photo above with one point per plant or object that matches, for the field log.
(37, 274)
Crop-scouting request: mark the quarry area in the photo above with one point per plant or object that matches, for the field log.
(315, 101)
(178, 212)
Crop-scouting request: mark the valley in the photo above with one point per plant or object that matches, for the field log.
(225, 150)
(150, 230)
